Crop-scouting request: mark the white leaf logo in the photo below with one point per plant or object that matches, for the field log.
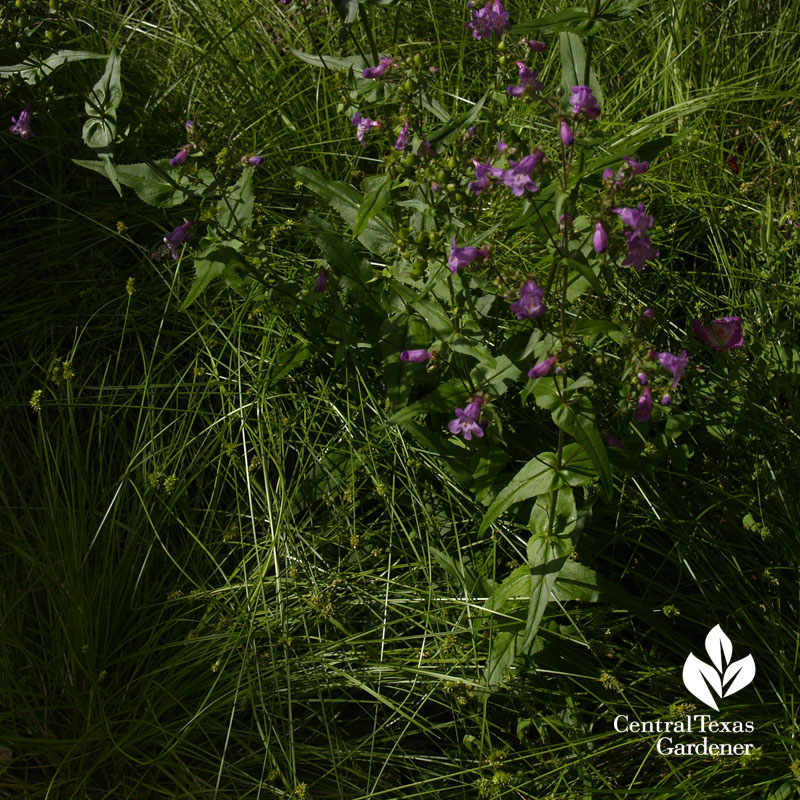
(724, 677)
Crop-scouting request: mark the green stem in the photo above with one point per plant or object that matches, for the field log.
(368, 30)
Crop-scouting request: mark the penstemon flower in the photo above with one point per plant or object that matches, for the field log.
(599, 238)
(720, 334)
(377, 72)
(466, 421)
(180, 235)
(529, 305)
(567, 137)
(528, 82)
(463, 256)
(584, 102)
(491, 20)
(363, 125)
(542, 368)
(402, 139)
(22, 126)
(415, 356)
(674, 364)
(644, 406)
(322, 281)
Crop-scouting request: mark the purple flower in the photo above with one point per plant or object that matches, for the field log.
(537, 47)
(567, 137)
(189, 126)
(644, 406)
(608, 174)
(322, 281)
(471, 131)
(180, 235)
(565, 221)
(584, 102)
(377, 72)
(22, 126)
(466, 421)
(637, 167)
(462, 256)
(666, 399)
(612, 440)
(518, 176)
(436, 187)
(529, 305)
(642, 378)
(415, 356)
(528, 82)
(647, 313)
(402, 139)
(363, 124)
(180, 157)
(491, 20)
(599, 238)
(255, 161)
(482, 176)
(636, 218)
(542, 368)
(639, 251)
(674, 364)
(502, 147)
(720, 334)
(425, 149)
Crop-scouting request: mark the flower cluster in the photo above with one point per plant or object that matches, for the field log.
(584, 102)
(491, 20)
(518, 177)
(528, 81)
(639, 247)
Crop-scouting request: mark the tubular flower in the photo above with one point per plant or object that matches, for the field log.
(529, 305)
(567, 136)
(639, 251)
(180, 235)
(463, 256)
(363, 125)
(644, 406)
(402, 139)
(599, 238)
(528, 81)
(518, 176)
(483, 174)
(674, 364)
(322, 281)
(636, 167)
(179, 159)
(584, 102)
(466, 421)
(642, 378)
(537, 47)
(491, 20)
(720, 334)
(255, 161)
(377, 72)
(542, 368)
(635, 218)
(415, 356)
(22, 126)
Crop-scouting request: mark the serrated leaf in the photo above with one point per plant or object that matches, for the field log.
(235, 208)
(578, 420)
(156, 184)
(535, 478)
(373, 203)
(31, 70)
(211, 264)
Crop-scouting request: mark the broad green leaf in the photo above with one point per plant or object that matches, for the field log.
(235, 209)
(577, 20)
(351, 267)
(577, 468)
(401, 331)
(288, 360)
(100, 128)
(585, 271)
(211, 263)
(348, 10)
(535, 478)
(573, 67)
(32, 71)
(566, 513)
(346, 201)
(374, 202)
(499, 378)
(785, 791)
(443, 398)
(156, 184)
(544, 392)
(438, 321)
(578, 420)
(471, 346)
(577, 582)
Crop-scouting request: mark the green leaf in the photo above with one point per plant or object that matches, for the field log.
(32, 71)
(497, 375)
(235, 209)
(288, 360)
(351, 267)
(356, 63)
(100, 128)
(461, 574)
(443, 397)
(374, 202)
(577, 20)
(446, 133)
(348, 10)
(578, 420)
(786, 790)
(535, 478)
(209, 264)
(346, 201)
(576, 466)
(156, 183)
(566, 513)
(585, 271)
(573, 67)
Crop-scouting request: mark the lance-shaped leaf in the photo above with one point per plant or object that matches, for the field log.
(698, 676)
(740, 673)
(719, 648)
